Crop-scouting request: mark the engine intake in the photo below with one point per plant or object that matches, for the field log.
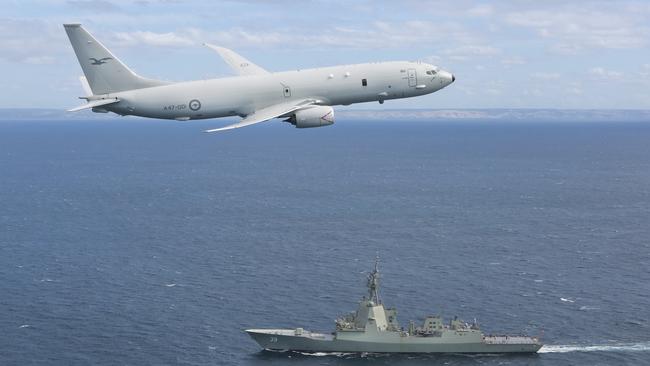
(316, 116)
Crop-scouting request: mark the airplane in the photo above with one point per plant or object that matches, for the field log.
(304, 97)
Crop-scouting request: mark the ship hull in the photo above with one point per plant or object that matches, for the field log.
(326, 343)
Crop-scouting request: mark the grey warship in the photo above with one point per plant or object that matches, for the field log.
(375, 329)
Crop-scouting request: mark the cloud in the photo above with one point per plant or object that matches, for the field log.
(473, 50)
(483, 10)
(545, 75)
(645, 71)
(514, 60)
(470, 52)
(602, 73)
(378, 35)
(544, 42)
(94, 5)
(39, 60)
(433, 59)
(30, 41)
(534, 92)
(152, 39)
(574, 28)
(574, 89)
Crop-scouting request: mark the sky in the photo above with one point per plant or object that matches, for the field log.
(506, 54)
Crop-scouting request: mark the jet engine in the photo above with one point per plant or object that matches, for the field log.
(316, 116)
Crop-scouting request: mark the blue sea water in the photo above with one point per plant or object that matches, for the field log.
(126, 242)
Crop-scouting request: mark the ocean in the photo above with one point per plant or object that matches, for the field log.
(134, 242)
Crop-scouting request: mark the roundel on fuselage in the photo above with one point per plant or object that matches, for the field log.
(195, 105)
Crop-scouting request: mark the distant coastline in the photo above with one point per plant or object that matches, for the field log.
(513, 115)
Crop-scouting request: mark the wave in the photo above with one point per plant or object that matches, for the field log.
(620, 347)
(341, 354)
(324, 354)
(586, 308)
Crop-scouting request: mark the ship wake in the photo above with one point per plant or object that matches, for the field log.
(617, 347)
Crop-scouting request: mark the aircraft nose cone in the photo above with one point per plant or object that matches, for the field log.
(446, 78)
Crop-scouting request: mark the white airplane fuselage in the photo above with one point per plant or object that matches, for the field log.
(305, 97)
(242, 95)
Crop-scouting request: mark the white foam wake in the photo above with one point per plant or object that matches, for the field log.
(324, 354)
(621, 347)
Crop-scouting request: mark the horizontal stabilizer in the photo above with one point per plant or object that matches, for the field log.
(265, 114)
(237, 62)
(95, 103)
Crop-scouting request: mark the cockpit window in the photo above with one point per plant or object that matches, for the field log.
(431, 72)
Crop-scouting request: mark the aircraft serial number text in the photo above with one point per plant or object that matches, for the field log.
(177, 107)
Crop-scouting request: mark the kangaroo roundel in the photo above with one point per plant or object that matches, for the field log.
(195, 105)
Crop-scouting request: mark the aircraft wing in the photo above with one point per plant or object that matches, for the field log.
(95, 103)
(265, 114)
(238, 63)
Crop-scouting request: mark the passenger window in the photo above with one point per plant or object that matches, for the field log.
(364, 82)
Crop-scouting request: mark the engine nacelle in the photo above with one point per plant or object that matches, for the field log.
(316, 116)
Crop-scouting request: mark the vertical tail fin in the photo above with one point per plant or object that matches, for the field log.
(104, 72)
(85, 86)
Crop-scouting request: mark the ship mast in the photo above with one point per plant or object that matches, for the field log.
(373, 284)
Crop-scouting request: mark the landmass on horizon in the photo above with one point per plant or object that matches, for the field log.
(575, 115)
